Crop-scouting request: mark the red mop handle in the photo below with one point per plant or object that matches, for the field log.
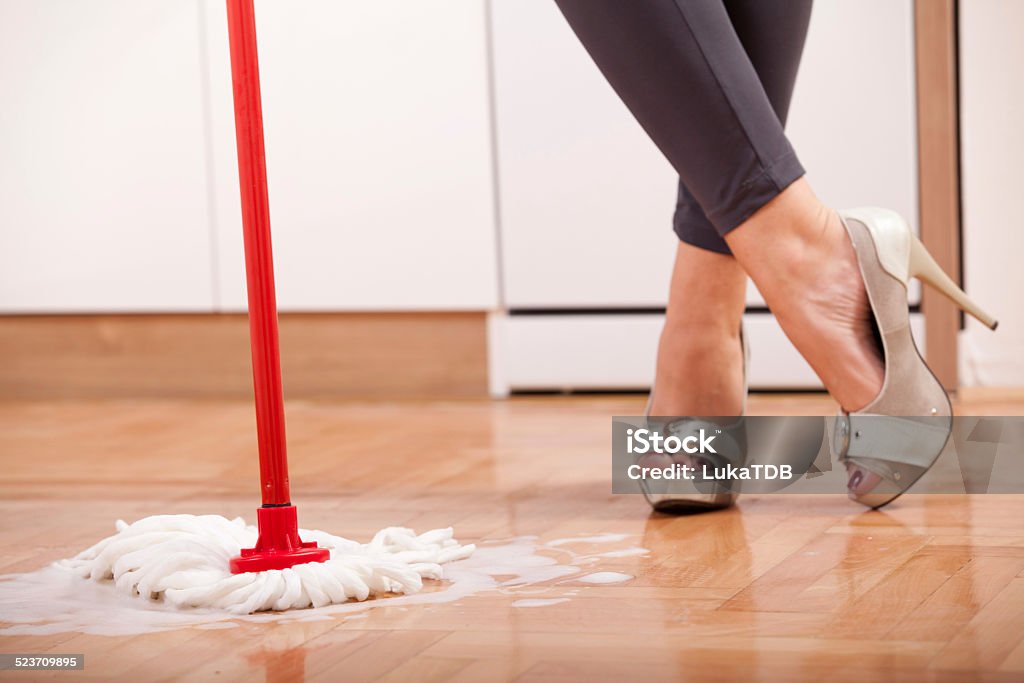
(259, 262)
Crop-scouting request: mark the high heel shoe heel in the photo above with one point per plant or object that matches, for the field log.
(697, 495)
(901, 433)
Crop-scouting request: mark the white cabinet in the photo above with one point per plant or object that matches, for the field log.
(378, 141)
(586, 198)
(103, 187)
(118, 172)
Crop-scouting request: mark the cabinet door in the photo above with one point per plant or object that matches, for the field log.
(378, 150)
(103, 188)
(586, 199)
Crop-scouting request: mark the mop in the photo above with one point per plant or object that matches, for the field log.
(209, 561)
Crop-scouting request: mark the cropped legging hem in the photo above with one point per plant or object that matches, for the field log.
(710, 81)
(689, 222)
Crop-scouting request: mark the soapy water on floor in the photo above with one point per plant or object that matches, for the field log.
(54, 600)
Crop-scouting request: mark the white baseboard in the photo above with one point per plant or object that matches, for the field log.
(568, 352)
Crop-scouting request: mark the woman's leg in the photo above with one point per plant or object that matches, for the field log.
(700, 365)
(772, 33)
(681, 69)
(700, 361)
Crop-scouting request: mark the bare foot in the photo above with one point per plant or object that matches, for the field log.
(828, 317)
(798, 252)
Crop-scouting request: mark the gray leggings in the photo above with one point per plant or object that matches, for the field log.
(710, 81)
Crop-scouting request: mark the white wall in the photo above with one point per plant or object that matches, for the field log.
(992, 149)
(853, 121)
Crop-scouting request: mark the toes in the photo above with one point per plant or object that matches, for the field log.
(861, 481)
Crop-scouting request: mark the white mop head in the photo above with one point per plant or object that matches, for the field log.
(183, 560)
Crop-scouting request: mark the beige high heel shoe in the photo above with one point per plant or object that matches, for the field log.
(901, 433)
(689, 496)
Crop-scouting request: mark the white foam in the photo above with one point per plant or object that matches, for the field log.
(55, 600)
(600, 538)
(605, 577)
(538, 602)
(625, 552)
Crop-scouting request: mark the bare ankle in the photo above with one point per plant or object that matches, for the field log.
(699, 374)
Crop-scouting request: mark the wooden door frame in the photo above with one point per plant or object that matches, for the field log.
(938, 144)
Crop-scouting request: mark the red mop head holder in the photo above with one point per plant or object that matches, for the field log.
(279, 545)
